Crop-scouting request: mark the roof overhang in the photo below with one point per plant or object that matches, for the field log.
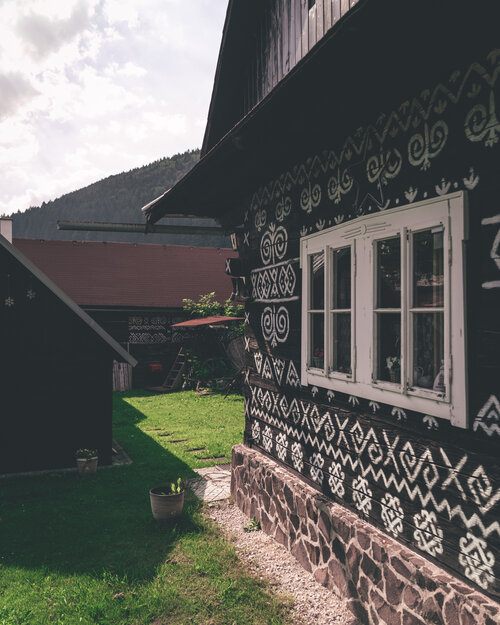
(215, 320)
(120, 353)
(380, 50)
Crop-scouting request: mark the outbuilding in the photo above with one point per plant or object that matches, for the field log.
(55, 372)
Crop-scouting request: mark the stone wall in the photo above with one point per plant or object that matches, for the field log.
(382, 580)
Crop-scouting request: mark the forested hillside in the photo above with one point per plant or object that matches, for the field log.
(117, 198)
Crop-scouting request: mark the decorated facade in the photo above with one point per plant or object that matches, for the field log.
(363, 190)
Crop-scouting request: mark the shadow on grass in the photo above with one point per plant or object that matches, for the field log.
(63, 523)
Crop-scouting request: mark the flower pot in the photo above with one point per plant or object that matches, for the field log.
(86, 466)
(165, 507)
(317, 362)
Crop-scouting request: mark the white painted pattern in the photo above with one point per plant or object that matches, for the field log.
(273, 244)
(275, 324)
(392, 515)
(488, 418)
(476, 560)
(428, 535)
(316, 464)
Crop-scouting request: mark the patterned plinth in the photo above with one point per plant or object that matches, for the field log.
(383, 581)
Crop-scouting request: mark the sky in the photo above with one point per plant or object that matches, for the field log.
(91, 88)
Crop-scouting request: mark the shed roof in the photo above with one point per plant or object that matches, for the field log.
(58, 292)
(206, 321)
(130, 274)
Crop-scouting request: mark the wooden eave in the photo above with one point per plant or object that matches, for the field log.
(378, 54)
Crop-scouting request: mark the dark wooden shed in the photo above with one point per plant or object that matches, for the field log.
(354, 147)
(55, 372)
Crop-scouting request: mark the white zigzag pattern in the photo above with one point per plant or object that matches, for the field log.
(378, 475)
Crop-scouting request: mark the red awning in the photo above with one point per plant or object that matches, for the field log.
(206, 321)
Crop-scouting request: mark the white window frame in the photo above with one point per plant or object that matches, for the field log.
(448, 212)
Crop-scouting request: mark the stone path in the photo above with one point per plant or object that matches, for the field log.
(214, 483)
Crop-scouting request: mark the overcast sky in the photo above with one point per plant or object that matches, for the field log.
(90, 88)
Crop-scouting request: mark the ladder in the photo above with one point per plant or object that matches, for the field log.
(174, 377)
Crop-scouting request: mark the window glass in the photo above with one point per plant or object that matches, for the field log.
(389, 273)
(389, 347)
(428, 269)
(341, 352)
(341, 274)
(317, 281)
(428, 351)
(317, 355)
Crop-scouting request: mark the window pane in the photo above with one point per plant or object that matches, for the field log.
(317, 340)
(428, 269)
(389, 347)
(389, 273)
(341, 333)
(341, 278)
(428, 351)
(317, 280)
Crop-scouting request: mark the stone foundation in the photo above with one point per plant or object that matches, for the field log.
(383, 581)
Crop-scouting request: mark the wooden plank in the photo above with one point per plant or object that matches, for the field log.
(335, 11)
(305, 27)
(291, 32)
(285, 36)
(327, 15)
(312, 18)
(279, 28)
(320, 18)
(298, 29)
(344, 7)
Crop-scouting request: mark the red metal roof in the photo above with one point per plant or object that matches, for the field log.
(206, 321)
(130, 274)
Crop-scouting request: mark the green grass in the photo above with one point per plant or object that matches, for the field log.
(86, 550)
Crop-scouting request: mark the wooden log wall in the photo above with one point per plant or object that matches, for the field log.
(428, 484)
(288, 29)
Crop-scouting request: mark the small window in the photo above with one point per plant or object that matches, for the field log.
(384, 316)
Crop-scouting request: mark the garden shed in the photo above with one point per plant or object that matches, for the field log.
(55, 372)
(354, 149)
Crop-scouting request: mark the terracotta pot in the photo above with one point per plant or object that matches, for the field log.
(165, 507)
(86, 466)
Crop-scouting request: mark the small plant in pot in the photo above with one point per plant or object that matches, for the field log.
(167, 501)
(86, 461)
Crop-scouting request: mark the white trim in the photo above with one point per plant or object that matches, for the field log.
(361, 234)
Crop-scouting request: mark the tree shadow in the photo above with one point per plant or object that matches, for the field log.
(63, 523)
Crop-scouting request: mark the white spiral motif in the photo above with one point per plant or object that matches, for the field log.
(275, 324)
(273, 244)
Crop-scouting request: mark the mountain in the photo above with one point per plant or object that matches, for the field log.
(118, 198)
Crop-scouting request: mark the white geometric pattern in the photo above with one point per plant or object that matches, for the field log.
(362, 495)
(428, 534)
(476, 560)
(392, 515)
(317, 461)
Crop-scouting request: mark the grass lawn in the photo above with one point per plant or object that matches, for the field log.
(86, 550)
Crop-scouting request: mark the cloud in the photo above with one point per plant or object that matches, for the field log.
(15, 90)
(91, 88)
(44, 35)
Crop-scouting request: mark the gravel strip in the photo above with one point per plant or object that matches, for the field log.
(313, 604)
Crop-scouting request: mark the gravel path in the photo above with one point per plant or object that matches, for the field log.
(313, 604)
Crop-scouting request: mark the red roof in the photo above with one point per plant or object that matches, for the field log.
(206, 321)
(130, 274)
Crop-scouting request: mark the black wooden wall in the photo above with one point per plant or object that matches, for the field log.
(55, 377)
(426, 483)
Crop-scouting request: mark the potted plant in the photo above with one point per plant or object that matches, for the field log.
(394, 366)
(86, 461)
(167, 501)
(317, 359)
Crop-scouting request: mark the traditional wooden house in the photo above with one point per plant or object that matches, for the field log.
(55, 372)
(354, 149)
(133, 290)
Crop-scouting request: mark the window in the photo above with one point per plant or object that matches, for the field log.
(383, 310)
